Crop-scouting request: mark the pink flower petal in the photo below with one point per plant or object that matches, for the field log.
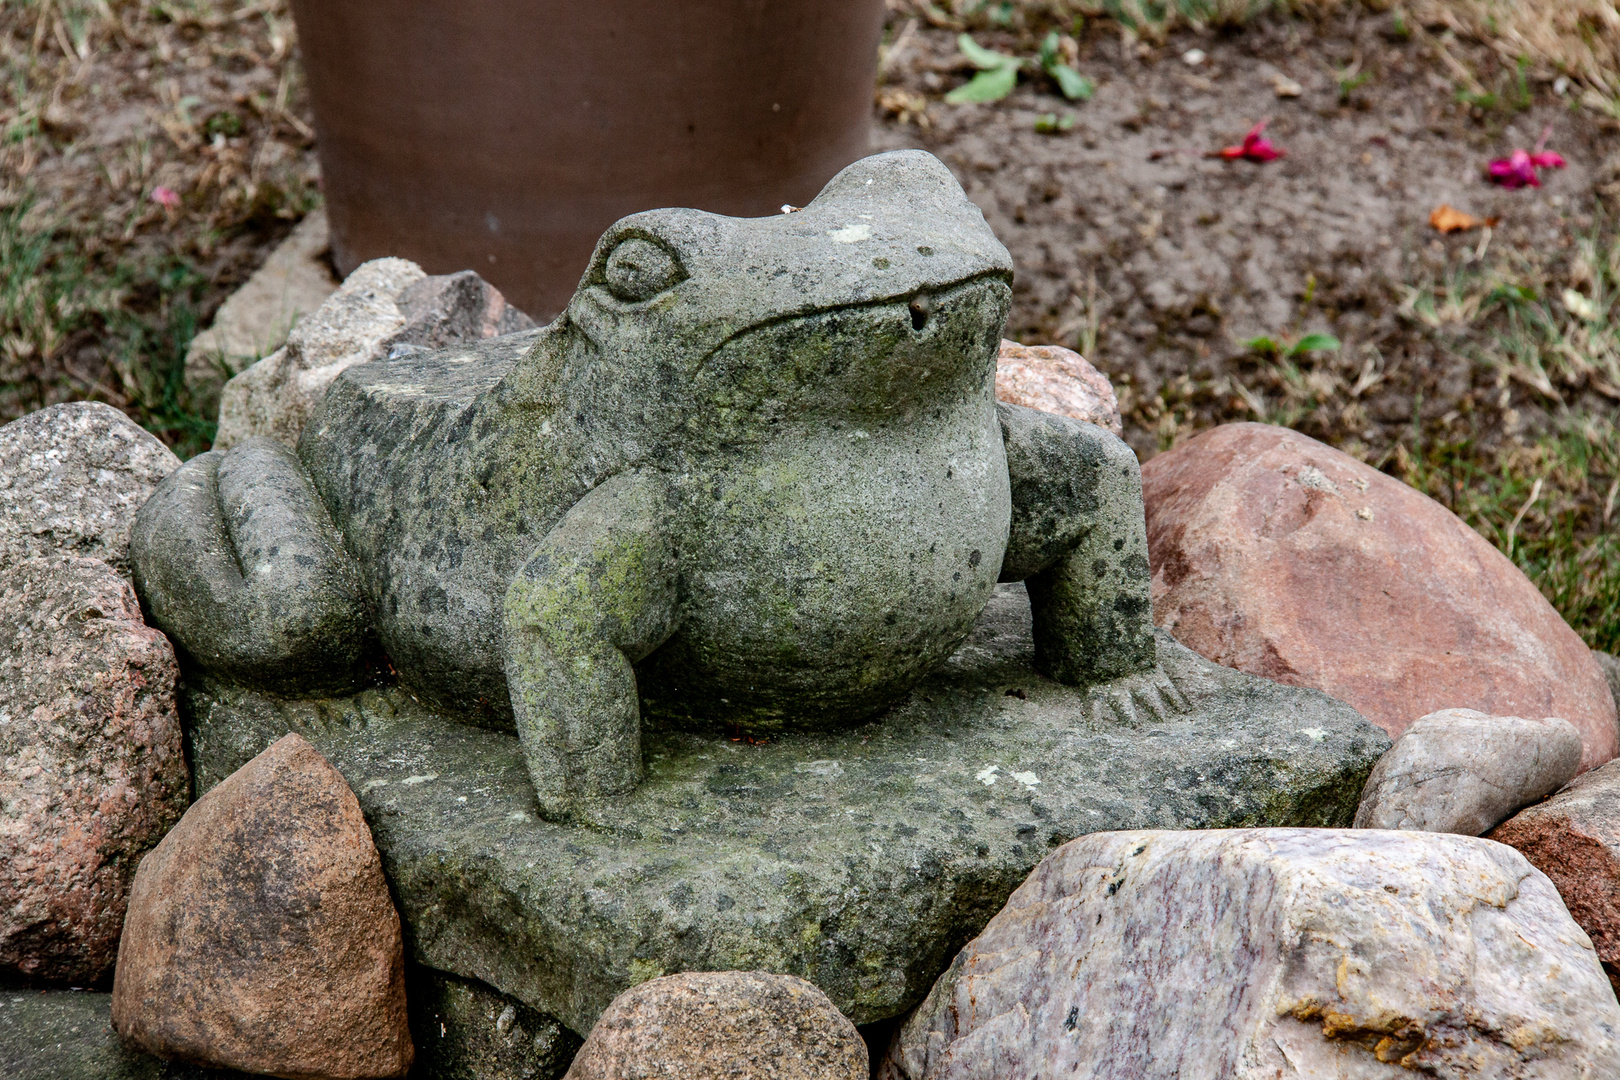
(1255, 147)
(1515, 171)
(165, 197)
(1262, 150)
(1547, 160)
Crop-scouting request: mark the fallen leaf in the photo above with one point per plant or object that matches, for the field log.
(986, 86)
(1075, 86)
(1448, 219)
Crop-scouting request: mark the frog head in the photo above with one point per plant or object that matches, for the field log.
(886, 295)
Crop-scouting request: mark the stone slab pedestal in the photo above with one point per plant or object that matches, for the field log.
(860, 860)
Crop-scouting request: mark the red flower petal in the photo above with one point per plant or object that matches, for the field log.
(1255, 147)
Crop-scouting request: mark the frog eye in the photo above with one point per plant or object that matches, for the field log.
(640, 269)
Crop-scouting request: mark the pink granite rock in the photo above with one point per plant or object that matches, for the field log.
(1056, 380)
(1255, 954)
(261, 935)
(91, 769)
(1282, 557)
(1574, 838)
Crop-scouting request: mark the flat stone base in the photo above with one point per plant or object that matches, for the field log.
(462, 1031)
(68, 1035)
(860, 860)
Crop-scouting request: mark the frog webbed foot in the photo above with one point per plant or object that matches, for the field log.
(1079, 539)
(237, 560)
(597, 595)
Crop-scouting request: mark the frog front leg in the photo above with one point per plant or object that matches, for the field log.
(1079, 538)
(236, 558)
(596, 596)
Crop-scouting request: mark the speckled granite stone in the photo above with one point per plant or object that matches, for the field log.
(1056, 380)
(72, 477)
(707, 1024)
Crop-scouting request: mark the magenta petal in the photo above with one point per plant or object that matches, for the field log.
(1547, 160)
(1515, 171)
(1256, 147)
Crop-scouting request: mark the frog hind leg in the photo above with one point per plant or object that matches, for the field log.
(596, 596)
(236, 559)
(1079, 540)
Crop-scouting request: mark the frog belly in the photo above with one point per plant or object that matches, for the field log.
(821, 583)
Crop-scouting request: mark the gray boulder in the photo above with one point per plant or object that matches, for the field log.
(71, 479)
(856, 859)
(91, 767)
(387, 307)
(1461, 771)
(1255, 954)
(1611, 671)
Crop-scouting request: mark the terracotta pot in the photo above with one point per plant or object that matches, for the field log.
(505, 135)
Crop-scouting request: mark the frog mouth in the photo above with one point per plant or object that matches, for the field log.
(969, 313)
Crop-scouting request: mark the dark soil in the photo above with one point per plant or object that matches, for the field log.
(1191, 257)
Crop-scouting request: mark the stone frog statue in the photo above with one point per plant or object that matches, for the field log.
(755, 474)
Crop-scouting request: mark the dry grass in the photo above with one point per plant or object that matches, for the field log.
(107, 104)
(1533, 464)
